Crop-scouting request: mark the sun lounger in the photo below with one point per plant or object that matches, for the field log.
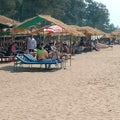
(31, 58)
(22, 61)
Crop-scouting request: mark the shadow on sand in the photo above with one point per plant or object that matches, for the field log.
(26, 69)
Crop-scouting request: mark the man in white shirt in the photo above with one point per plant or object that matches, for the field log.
(31, 44)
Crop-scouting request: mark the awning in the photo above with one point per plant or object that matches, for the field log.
(30, 22)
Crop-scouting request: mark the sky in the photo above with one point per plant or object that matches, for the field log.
(114, 9)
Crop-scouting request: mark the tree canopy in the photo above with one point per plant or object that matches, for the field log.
(76, 12)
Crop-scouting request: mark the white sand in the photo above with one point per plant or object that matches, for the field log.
(88, 90)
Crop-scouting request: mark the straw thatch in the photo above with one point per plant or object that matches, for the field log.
(7, 21)
(116, 32)
(67, 28)
(99, 32)
(88, 31)
(20, 31)
(108, 35)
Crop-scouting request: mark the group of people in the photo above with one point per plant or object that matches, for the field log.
(57, 50)
(49, 51)
(39, 50)
(52, 50)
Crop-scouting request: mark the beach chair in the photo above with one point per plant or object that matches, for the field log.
(21, 61)
(31, 58)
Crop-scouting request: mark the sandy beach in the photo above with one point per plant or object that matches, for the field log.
(87, 90)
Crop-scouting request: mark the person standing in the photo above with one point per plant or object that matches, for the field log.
(31, 44)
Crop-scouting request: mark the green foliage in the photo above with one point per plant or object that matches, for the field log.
(77, 12)
(97, 15)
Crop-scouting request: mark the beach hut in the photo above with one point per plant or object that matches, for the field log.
(37, 23)
(34, 24)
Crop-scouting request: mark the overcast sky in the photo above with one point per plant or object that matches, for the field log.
(114, 9)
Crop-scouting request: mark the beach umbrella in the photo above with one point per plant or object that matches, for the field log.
(68, 29)
(49, 30)
(56, 28)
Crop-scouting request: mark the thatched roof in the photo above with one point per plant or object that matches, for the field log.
(88, 31)
(35, 20)
(108, 35)
(116, 32)
(7, 21)
(99, 32)
(68, 28)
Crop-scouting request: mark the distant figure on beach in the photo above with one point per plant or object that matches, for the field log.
(31, 43)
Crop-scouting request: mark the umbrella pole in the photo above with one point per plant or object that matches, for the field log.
(70, 50)
(44, 42)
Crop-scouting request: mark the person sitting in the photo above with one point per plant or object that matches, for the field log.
(93, 46)
(66, 48)
(47, 47)
(12, 49)
(38, 50)
(43, 54)
(65, 51)
(53, 54)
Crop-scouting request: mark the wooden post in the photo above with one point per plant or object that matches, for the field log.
(70, 49)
